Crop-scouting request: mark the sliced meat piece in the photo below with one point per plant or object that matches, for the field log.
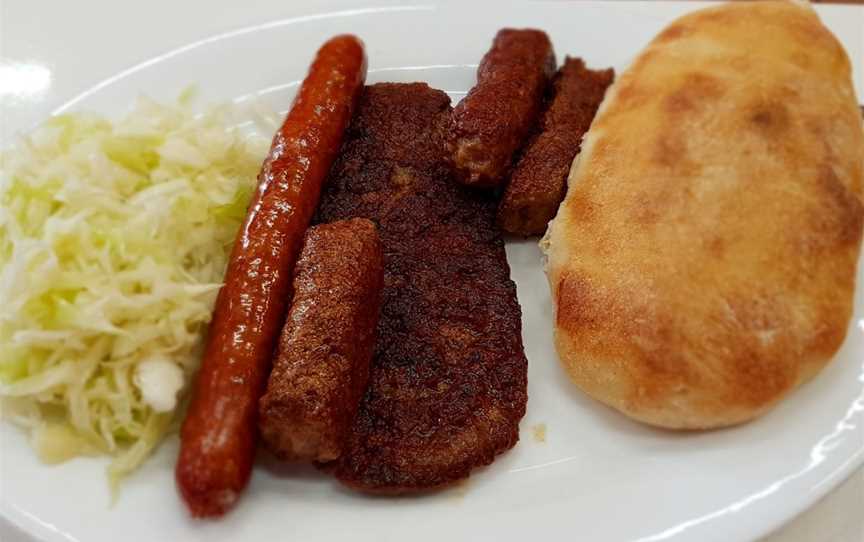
(539, 181)
(493, 121)
(447, 386)
(321, 368)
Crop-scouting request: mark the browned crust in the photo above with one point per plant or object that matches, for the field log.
(321, 366)
(705, 277)
(448, 381)
(539, 180)
(492, 122)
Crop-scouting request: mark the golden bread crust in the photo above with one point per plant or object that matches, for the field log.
(703, 262)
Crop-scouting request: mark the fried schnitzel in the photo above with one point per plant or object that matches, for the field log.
(447, 386)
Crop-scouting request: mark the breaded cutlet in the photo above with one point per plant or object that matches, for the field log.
(447, 386)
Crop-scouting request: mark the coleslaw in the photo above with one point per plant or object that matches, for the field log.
(114, 237)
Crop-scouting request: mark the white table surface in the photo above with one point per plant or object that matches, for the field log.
(38, 31)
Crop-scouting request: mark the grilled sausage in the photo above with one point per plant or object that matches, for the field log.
(219, 434)
(539, 180)
(492, 122)
(322, 366)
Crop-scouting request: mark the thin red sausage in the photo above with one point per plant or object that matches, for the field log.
(219, 434)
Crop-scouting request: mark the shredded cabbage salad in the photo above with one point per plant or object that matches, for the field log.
(114, 237)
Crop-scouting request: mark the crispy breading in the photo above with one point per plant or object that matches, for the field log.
(539, 180)
(448, 381)
(321, 367)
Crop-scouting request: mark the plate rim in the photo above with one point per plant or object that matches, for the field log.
(27, 524)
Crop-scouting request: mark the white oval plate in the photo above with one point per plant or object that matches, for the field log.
(597, 476)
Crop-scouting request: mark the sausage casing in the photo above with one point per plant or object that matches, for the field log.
(219, 433)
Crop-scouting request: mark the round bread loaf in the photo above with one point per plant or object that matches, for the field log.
(703, 262)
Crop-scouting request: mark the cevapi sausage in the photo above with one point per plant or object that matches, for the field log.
(219, 434)
(538, 182)
(321, 368)
(496, 117)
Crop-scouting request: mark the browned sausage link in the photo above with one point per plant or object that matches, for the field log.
(322, 367)
(496, 116)
(539, 180)
(219, 433)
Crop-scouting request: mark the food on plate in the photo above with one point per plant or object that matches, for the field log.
(492, 122)
(701, 265)
(447, 386)
(219, 433)
(539, 180)
(703, 261)
(114, 236)
(321, 367)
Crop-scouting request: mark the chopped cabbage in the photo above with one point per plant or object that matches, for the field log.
(113, 241)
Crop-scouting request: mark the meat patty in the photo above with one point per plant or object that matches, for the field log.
(539, 180)
(447, 386)
(321, 367)
(492, 122)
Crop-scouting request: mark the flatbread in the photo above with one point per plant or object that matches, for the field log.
(703, 262)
